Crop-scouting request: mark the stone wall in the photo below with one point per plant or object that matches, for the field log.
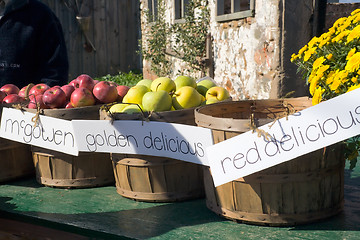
(251, 56)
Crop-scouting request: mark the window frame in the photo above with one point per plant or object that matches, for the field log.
(234, 15)
(180, 10)
(152, 6)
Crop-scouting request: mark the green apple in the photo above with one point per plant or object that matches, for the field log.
(217, 92)
(145, 82)
(133, 108)
(135, 94)
(204, 85)
(163, 83)
(116, 108)
(186, 97)
(182, 81)
(157, 101)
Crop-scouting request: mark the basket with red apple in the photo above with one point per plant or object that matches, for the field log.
(153, 178)
(80, 99)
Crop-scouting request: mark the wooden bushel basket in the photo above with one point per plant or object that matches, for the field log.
(303, 190)
(156, 179)
(56, 169)
(15, 159)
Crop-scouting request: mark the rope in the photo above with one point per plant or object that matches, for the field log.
(289, 109)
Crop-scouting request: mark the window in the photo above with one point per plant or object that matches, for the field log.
(180, 8)
(234, 9)
(153, 9)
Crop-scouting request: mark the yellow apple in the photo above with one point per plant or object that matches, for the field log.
(186, 97)
(116, 108)
(157, 101)
(182, 81)
(135, 94)
(132, 108)
(204, 85)
(145, 82)
(217, 92)
(211, 101)
(163, 83)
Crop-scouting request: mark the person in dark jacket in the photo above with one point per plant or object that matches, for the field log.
(32, 45)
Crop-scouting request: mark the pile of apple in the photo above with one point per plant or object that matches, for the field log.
(165, 94)
(80, 92)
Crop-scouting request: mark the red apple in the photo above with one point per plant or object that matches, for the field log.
(96, 81)
(35, 100)
(113, 83)
(122, 90)
(105, 92)
(69, 105)
(54, 97)
(74, 83)
(10, 89)
(38, 89)
(13, 98)
(21, 93)
(86, 81)
(68, 89)
(2, 96)
(82, 97)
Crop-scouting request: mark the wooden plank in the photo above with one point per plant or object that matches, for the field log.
(225, 196)
(100, 38)
(140, 179)
(248, 197)
(113, 11)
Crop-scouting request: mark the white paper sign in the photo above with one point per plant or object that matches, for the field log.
(51, 133)
(316, 127)
(177, 141)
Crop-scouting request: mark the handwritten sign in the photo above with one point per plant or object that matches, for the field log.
(316, 127)
(51, 133)
(177, 141)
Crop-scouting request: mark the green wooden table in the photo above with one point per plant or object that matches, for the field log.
(101, 213)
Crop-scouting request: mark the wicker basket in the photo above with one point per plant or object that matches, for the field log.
(303, 190)
(156, 179)
(56, 169)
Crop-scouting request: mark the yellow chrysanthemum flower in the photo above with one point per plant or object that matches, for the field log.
(313, 41)
(353, 63)
(314, 85)
(354, 79)
(354, 34)
(330, 77)
(294, 57)
(353, 87)
(309, 53)
(329, 56)
(324, 42)
(355, 12)
(318, 62)
(317, 96)
(356, 19)
(340, 36)
(339, 22)
(350, 53)
(303, 49)
(335, 84)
